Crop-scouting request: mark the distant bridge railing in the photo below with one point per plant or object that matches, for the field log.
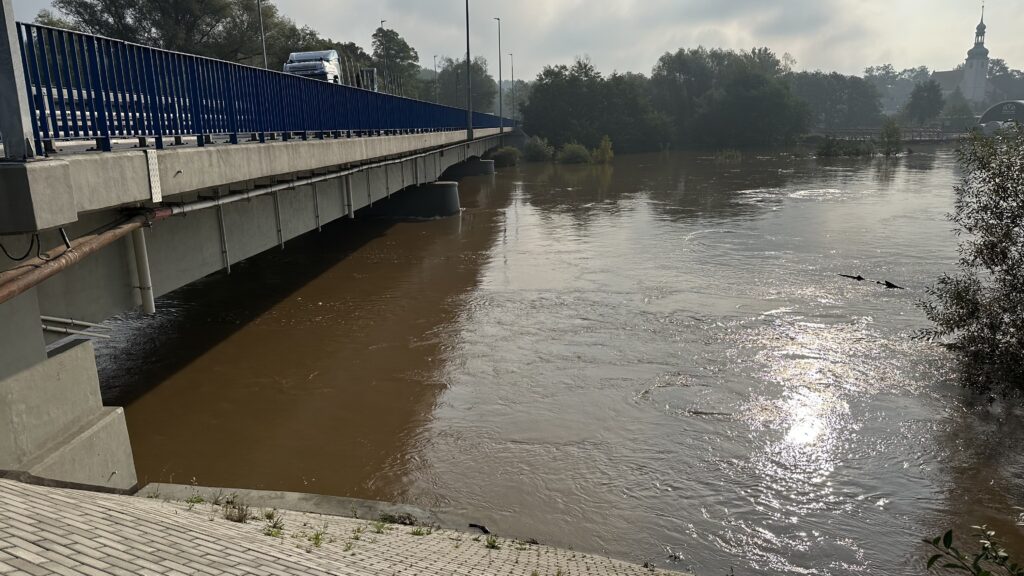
(85, 87)
(908, 134)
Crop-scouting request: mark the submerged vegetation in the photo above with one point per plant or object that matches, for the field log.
(604, 153)
(891, 138)
(537, 149)
(889, 143)
(505, 156)
(836, 148)
(574, 153)
(980, 307)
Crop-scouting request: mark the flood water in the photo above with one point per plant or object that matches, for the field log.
(655, 360)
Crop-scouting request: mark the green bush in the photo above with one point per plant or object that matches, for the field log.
(604, 153)
(574, 154)
(980, 306)
(728, 156)
(891, 138)
(537, 149)
(506, 156)
(835, 148)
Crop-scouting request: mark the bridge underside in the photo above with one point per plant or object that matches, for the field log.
(74, 438)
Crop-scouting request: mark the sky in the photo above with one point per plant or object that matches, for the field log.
(630, 35)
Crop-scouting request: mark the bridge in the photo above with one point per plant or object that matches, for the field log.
(130, 171)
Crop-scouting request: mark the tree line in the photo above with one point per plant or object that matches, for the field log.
(713, 98)
(709, 98)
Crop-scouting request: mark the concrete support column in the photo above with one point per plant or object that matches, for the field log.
(428, 201)
(15, 119)
(471, 167)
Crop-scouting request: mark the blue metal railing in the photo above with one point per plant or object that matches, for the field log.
(88, 87)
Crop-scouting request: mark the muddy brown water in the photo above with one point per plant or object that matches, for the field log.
(655, 360)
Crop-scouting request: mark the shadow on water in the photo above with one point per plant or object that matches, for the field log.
(147, 350)
(307, 370)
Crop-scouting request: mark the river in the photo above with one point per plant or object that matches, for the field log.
(657, 360)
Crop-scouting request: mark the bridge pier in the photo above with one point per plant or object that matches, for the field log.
(471, 167)
(424, 201)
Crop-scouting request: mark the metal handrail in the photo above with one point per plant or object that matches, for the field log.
(87, 87)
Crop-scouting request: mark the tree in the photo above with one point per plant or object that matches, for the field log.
(926, 102)
(918, 75)
(836, 101)
(700, 93)
(891, 137)
(957, 113)
(981, 306)
(451, 80)
(577, 104)
(397, 62)
(998, 67)
(604, 153)
(516, 97)
(894, 87)
(223, 29)
(53, 20)
(750, 110)
(1008, 83)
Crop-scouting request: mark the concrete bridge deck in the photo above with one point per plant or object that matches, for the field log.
(56, 531)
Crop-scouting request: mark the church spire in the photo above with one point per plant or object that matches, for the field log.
(979, 37)
(979, 52)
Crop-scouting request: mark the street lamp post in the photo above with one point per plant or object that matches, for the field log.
(263, 34)
(469, 82)
(501, 89)
(515, 100)
(384, 54)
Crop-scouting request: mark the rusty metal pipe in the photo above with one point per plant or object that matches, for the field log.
(30, 274)
(18, 280)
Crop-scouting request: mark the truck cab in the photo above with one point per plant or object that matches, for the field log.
(323, 65)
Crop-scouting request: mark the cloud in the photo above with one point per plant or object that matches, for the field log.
(844, 35)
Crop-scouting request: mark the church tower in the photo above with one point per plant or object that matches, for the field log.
(975, 81)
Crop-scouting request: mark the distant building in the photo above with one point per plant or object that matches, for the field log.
(971, 78)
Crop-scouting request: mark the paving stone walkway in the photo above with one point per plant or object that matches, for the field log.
(56, 531)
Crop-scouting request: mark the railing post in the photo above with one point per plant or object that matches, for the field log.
(98, 94)
(15, 114)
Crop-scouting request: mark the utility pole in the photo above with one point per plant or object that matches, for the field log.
(263, 34)
(469, 82)
(501, 89)
(437, 85)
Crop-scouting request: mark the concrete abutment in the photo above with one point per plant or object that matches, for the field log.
(53, 424)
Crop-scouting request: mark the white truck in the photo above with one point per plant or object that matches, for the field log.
(323, 65)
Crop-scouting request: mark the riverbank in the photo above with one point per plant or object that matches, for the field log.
(58, 531)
